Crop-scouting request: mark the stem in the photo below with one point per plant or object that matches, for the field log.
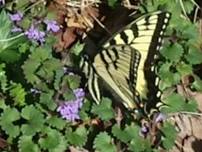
(12, 38)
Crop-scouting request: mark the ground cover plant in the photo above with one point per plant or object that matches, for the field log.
(44, 102)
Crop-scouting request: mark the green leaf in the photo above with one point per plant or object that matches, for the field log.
(172, 52)
(170, 135)
(35, 120)
(84, 111)
(32, 64)
(58, 77)
(53, 141)
(56, 122)
(184, 69)
(73, 81)
(26, 144)
(168, 78)
(47, 100)
(18, 93)
(103, 142)
(7, 118)
(190, 106)
(175, 103)
(197, 84)
(140, 145)
(194, 55)
(104, 109)
(3, 78)
(77, 48)
(122, 135)
(78, 137)
(112, 3)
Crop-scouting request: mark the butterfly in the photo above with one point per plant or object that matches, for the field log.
(126, 61)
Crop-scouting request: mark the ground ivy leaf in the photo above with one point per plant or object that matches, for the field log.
(103, 142)
(104, 110)
(35, 120)
(47, 100)
(172, 52)
(197, 84)
(50, 138)
(120, 134)
(7, 118)
(18, 93)
(140, 145)
(184, 69)
(190, 106)
(26, 144)
(175, 103)
(56, 122)
(78, 137)
(170, 134)
(194, 55)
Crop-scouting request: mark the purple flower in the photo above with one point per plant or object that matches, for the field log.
(16, 29)
(161, 117)
(69, 110)
(16, 17)
(52, 25)
(34, 34)
(2, 2)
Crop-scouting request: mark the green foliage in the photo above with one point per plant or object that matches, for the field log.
(103, 142)
(26, 144)
(3, 78)
(170, 134)
(8, 117)
(56, 122)
(30, 121)
(77, 137)
(35, 120)
(17, 93)
(52, 141)
(104, 110)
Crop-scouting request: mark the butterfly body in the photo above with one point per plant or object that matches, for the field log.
(126, 60)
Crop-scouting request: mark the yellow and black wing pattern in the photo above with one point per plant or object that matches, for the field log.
(126, 62)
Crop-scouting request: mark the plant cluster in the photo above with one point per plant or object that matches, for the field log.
(43, 106)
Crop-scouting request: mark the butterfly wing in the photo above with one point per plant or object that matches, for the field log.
(127, 59)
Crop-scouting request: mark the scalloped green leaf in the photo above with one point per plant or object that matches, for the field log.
(122, 135)
(7, 118)
(175, 103)
(103, 142)
(104, 110)
(172, 52)
(197, 84)
(31, 65)
(25, 144)
(194, 55)
(140, 145)
(47, 100)
(53, 141)
(56, 122)
(35, 120)
(170, 135)
(184, 69)
(18, 93)
(78, 137)
(58, 78)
